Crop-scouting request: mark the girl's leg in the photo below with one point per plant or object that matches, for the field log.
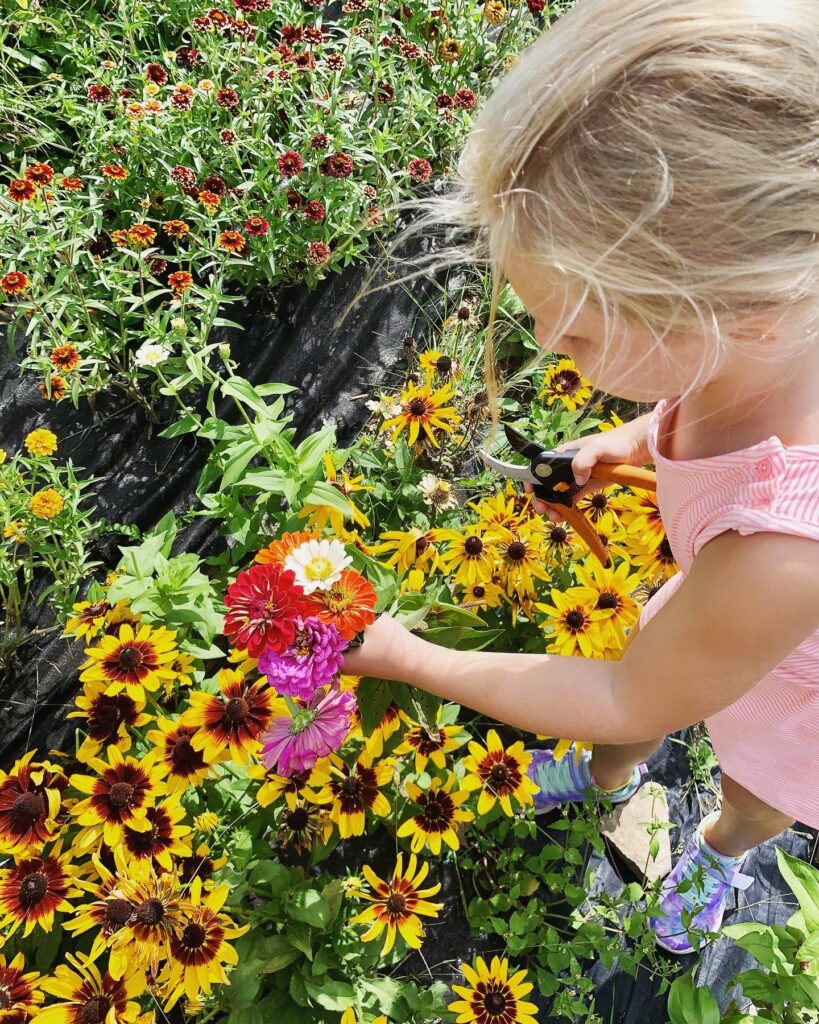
(744, 821)
(612, 765)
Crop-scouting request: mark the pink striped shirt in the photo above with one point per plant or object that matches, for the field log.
(768, 740)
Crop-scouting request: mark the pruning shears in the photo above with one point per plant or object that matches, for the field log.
(550, 473)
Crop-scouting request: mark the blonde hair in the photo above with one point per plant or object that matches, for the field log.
(662, 155)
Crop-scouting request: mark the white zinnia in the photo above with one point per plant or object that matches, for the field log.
(437, 492)
(317, 564)
(150, 354)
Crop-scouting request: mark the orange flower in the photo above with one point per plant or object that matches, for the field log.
(277, 550)
(348, 603)
(115, 171)
(175, 228)
(142, 234)
(13, 282)
(180, 281)
(210, 200)
(21, 191)
(71, 184)
(233, 241)
(65, 358)
(54, 389)
(39, 174)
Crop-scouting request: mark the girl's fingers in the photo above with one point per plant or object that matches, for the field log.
(540, 506)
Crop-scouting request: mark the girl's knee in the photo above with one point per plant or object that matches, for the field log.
(743, 802)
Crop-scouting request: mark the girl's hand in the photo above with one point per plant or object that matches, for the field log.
(385, 652)
(626, 444)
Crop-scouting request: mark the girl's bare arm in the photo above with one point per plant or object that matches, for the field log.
(746, 604)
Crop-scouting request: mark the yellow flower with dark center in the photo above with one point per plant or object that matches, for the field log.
(183, 666)
(108, 718)
(30, 801)
(233, 719)
(564, 383)
(430, 745)
(165, 840)
(133, 660)
(575, 626)
(318, 515)
(108, 910)
(640, 514)
(20, 993)
(499, 774)
(46, 504)
(508, 508)
(655, 560)
(423, 411)
(200, 948)
(434, 361)
(561, 541)
(352, 790)
(609, 592)
(396, 904)
(470, 553)
(158, 914)
(90, 996)
(182, 765)
(410, 549)
(119, 614)
(302, 824)
(35, 889)
(492, 996)
(119, 794)
(200, 865)
(41, 442)
(598, 507)
(449, 50)
(521, 557)
(437, 816)
(305, 784)
(89, 619)
(482, 596)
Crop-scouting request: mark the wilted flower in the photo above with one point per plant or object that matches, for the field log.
(437, 492)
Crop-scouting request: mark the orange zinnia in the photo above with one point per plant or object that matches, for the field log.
(277, 550)
(348, 604)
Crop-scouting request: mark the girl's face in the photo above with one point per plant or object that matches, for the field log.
(635, 367)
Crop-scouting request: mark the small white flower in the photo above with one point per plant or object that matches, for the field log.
(437, 492)
(384, 405)
(317, 564)
(150, 354)
(178, 324)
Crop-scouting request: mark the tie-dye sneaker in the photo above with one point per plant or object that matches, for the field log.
(569, 780)
(695, 894)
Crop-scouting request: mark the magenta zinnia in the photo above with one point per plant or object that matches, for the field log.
(310, 662)
(263, 605)
(294, 743)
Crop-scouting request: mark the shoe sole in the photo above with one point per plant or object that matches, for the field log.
(670, 949)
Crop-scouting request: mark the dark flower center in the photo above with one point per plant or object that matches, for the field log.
(396, 903)
(130, 658)
(443, 364)
(194, 935)
(236, 710)
(558, 535)
(351, 786)
(473, 545)
(32, 889)
(417, 407)
(567, 382)
(499, 775)
(516, 551)
(599, 500)
(421, 545)
(185, 758)
(433, 810)
(108, 714)
(479, 591)
(666, 553)
(120, 794)
(608, 600)
(117, 914)
(298, 819)
(575, 619)
(28, 808)
(95, 1010)
(150, 912)
(495, 1003)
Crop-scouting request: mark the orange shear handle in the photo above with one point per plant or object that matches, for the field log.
(621, 473)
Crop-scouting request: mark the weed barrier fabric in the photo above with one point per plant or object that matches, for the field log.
(141, 476)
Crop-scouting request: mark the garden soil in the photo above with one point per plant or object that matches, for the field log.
(140, 476)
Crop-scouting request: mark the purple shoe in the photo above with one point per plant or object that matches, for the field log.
(695, 894)
(570, 781)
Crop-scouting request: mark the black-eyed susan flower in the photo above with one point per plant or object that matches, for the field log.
(492, 997)
(107, 718)
(133, 660)
(574, 627)
(609, 591)
(156, 848)
(598, 507)
(120, 613)
(20, 992)
(183, 667)
(143, 942)
(88, 619)
(35, 889)
(640, 515)
(483, 596)
(564, 383)
(423, 412)
(108, 910)
(319, 515)
(655, 560)
(181, 763)
(301, 824)
(430, 744)
(498, 774)
(304, 784)
(119, 794)
(201, 946)
(501, 509)
(354, 789)
(88, 995)
(349, 1017)
(232, 719)
(521, 557)
(470, 553)
(30, 801)
(200, 865)
(436, 816)
(396, 904)
(408, 549)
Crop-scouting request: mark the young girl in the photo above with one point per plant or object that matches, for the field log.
(647, 180)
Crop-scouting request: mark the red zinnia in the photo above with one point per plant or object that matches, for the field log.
(183, 176)
(114, 171)
(213, 183)
(295, 200)
(99, 93)
(465, 99)
(40, 174)
(227, 98)
(419, 169)
(21, 191)
(290, 163)
(71, 184)
(256, 226)
(314, 210)
(227, 137)
(175, 228)
(443, 101)
(318, 253)
(65, 358)
(179, 281)
(263, 604)
(348, 604)
(233, 241)
(291, 33)
(320, 141)
(13, 282)
(337, 165)
(156, 73)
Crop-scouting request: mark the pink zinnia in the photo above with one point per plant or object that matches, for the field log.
(294, 743)
(263, 605)
(309, 663)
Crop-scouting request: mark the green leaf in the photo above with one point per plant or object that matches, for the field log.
(311, 451)
(332, 995)
(279, 954)
(804, 883)
(243, 391)
(374, 697)
(688, 1004)
(307, 905)
(323, 493)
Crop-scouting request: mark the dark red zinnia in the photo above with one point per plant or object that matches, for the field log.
(318, 253)
(337, 165)
(290, 163)
(419, 169)
(314, 210)
(99, 93)
(465, 99)
(321, 140)
(263, 604)
(227, 98)
(21, 191)
(157, 74)
(40, 174)
(256, 226)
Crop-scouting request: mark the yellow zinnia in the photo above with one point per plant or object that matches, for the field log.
(46, 504)
(41, 442)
